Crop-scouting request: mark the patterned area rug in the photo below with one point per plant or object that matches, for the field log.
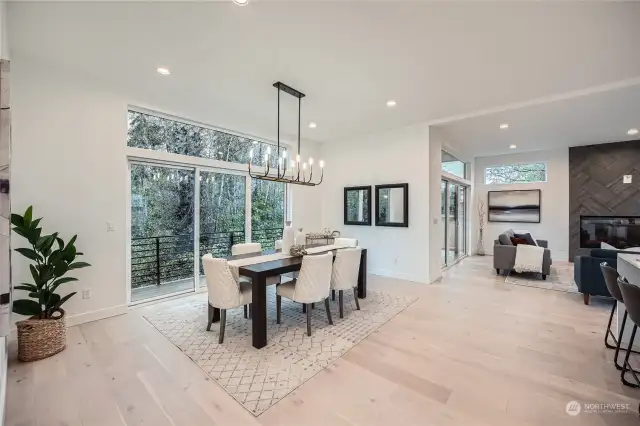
(560, 279)
(260, 378)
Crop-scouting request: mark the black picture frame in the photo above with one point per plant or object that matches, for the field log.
(535, 209)
(405, 221)
(367, 221)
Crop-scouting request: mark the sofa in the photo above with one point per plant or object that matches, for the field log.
(504, 254)
(588, 275)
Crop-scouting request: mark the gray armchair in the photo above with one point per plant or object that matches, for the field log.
(504, 257)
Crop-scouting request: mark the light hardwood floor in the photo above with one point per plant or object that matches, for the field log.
(471, 351)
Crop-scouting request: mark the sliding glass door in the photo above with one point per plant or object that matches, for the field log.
(172, 228)
(454, 222)
(222, 214)
(162, 230)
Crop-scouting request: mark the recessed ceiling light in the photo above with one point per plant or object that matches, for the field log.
(512, 146)
(391, 103)
(241, 2)
(312, 125)
(163, 71)
(504, 126)
(632, 132)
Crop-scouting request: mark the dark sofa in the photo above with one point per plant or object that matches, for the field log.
(588, 275)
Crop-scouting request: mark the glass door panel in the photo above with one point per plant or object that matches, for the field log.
(222, 214)
(452, 224)
(162, 231)
(443, 221)
(462, 221)
(267, 212)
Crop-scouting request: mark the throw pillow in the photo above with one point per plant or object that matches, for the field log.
(515, 241)
(505, 240)
(528, 238)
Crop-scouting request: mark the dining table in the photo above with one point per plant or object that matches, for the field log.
(259, 271)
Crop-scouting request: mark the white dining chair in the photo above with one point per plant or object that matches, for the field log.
(344, 275)
(311, 286)
(349, 242)
(225, 290)
(248, 248)
(245, 248)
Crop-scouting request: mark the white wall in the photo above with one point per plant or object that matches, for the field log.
(306, 200)
(436, 234)
(554, 221)
(399, 156)
(69, 161)
(4, 30)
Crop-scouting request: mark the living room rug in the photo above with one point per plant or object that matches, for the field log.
(258, 379)
(560, 279)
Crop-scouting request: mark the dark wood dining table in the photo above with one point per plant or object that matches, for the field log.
(259, 273)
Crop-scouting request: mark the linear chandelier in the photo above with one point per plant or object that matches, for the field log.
(297, 171)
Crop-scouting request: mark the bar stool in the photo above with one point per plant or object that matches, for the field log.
(611, 280)
(631, 300)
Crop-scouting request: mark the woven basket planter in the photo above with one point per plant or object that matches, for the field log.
(41, 338)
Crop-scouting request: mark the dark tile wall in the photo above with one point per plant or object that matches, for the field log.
(595, 184)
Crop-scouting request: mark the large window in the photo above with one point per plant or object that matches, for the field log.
(516, 173)
(451, 164)
(180, 213)
(175, 137)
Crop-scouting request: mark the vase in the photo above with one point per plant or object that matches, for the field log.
(41, 338)
(288, 237)
(480, 246)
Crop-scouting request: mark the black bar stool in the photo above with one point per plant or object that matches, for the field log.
(631, 299)
(611, 279)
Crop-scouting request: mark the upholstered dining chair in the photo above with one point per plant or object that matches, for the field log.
(349, 242)
(631, 299)
(245, 248)
(344, 275)
(225, 290)
(312, 285)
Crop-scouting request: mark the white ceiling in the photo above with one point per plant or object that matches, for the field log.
(435, 59)
(581, 120)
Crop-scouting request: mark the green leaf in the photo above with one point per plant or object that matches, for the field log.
(78, 265)
(60, 243)
(60, 269)
(26, 233)
(17, 220)
(28, 253)
(79, 253)
(26, 307)
(61, 281)
(27, 216)
(35, 295)
(26, 287)
(72, 240)
(42, 242)
(53, 300)
(35, 223)
(34, 274)
(64, 299)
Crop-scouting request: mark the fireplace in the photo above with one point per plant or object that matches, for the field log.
(618, 231)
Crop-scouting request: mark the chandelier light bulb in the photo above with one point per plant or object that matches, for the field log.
(266, 159)
(298, 158)
(251, 153)
(284, 154)
(268, 150)
(304, 166)
(321, 163)
(311, 161)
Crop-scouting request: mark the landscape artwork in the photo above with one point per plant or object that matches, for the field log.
(514, 206)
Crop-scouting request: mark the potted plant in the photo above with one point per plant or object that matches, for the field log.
(44, 333)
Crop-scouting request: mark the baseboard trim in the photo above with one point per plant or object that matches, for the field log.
(399, 275)
(96, 315)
